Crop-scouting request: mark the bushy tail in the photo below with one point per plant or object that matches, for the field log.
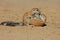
(12, 23)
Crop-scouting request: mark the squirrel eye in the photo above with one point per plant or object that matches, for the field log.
(39, 14)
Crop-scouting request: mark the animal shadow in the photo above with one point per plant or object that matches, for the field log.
(44, 25)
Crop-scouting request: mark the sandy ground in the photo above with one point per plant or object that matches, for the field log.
(13, 10)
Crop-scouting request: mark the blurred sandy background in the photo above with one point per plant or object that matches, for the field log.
(13, 10)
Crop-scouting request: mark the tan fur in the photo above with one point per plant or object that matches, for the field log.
(34, 20)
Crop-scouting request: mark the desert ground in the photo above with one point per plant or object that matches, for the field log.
(13, 10)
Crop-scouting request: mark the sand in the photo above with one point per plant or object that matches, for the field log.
(13, 10)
